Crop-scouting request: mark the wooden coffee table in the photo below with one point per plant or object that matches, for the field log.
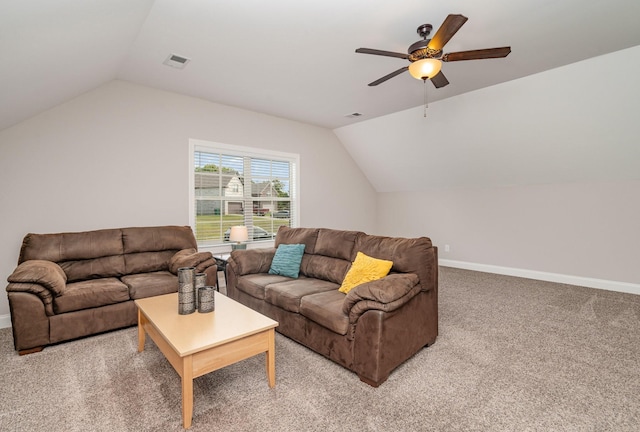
(197, 344)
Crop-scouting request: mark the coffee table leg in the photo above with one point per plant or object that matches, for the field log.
(187, 391)
(140, 332)
(271, 359)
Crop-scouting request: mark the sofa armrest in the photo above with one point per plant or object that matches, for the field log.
(386, 294)
(34, 289)
(45, 273)
(250, 261)
(191, 258)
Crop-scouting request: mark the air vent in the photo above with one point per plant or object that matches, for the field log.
(176, 61)
(353, 115)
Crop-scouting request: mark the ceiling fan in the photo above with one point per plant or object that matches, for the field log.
(426, 54)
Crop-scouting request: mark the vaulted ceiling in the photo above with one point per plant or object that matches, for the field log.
(288, 58)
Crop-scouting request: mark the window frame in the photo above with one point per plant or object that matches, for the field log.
(243, 151)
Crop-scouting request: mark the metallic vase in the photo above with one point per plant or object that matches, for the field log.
(186, 290)
(207, 299)
(201, 280)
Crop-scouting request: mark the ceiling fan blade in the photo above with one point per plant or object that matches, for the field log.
(389, 76)
(382, 53)
(477, 54)
(440, 80)
(446, 31)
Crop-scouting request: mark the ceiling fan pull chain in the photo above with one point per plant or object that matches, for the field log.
(425, 98)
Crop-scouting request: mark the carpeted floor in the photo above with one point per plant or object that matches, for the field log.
(513, 355)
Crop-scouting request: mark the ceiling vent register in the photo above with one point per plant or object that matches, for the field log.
(176, 61)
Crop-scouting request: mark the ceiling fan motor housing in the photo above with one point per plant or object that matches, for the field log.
(420, 50)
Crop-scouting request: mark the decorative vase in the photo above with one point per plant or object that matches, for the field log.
(201, 280)
(186, 290)
(207, 299)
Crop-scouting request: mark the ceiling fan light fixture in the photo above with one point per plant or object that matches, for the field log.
(425, 69)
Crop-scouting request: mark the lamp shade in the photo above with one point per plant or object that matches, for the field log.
(239, 233)
(425, 68)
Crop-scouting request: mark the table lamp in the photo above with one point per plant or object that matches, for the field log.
(238, 234)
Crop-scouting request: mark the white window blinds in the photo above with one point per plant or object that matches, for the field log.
(241, 186)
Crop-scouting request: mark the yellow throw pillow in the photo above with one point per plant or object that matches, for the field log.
(365, 269)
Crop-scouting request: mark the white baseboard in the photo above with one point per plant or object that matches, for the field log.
(5, 321)
(624, 287)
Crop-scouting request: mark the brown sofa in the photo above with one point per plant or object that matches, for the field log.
(70, 285)
(372, 329)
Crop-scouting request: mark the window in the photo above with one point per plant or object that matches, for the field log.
(232, 185)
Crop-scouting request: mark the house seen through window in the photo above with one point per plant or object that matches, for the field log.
(234, 185)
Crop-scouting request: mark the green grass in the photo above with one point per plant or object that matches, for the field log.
(212, 227)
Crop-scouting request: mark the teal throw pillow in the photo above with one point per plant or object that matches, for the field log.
(287, 259)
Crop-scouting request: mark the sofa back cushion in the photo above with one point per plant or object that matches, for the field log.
(71, 246)
(82, 255)
(96, 268)
(336, 244)
(146, 262)
(325, 268)
(149, 249)
(109, 252)
(327, 253)
(153, 239)
(306, 236)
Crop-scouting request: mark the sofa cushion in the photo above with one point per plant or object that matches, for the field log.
(71, 246)
(307, 236)
(325, 308)
(151, 284)
(324, 267)
(90, 294)
(336, 244)
(96, 268)
(250, 261)
(287, 294)
(254, 284)
(109, 252)
(364, 269)
(286, 261)
(144, 262)
(152, 239)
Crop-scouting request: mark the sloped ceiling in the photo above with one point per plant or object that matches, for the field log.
(53, 51)
(559, 126)
(288, 58)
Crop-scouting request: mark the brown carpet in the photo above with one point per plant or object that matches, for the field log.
(513, 355)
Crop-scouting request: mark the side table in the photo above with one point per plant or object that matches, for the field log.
(221, 261)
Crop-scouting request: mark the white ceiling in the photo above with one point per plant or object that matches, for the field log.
(289, 58)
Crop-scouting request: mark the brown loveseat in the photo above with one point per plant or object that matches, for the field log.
(71, 285)
(372, 329)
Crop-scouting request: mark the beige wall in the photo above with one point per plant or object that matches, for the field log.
(118, 156)
(588, 230)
